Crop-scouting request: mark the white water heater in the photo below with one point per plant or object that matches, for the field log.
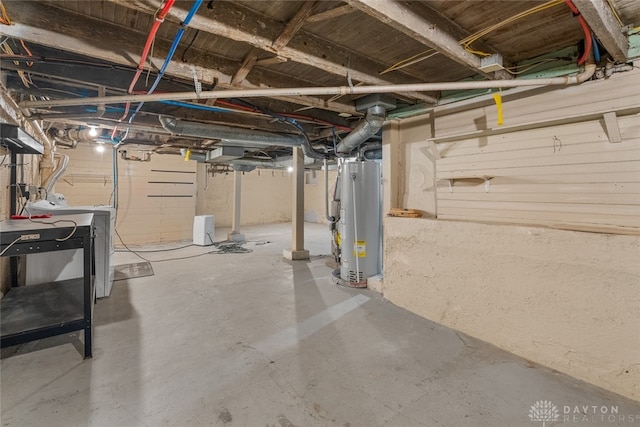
(359, 227)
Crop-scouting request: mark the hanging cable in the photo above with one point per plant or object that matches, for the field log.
(467, 41)
(4, 19)
(172, 51)
(147, 47)
(585, 28)
(186, 49)
(615, 13)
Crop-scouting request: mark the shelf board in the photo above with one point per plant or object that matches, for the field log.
(37, 308)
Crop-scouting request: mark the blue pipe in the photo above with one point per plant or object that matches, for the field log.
(196, 106)
(596, 49)
(172, 51)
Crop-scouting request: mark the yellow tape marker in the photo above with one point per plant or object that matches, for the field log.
(497, 97)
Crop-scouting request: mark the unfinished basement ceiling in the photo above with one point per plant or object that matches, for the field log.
(72, 49)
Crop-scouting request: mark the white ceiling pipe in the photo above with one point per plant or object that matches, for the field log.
(317, 91)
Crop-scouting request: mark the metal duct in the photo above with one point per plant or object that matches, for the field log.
(231, 136)
(63, 162)
(198, 157)
(242, 168)
(367, 128)
(279, 163)
(374, 154)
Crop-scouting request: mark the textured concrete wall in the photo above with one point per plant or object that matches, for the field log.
(568, 300)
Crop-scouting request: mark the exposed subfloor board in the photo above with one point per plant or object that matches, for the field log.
(255, 340)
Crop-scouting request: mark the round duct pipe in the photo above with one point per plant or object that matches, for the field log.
(371, 124)
(240, 137)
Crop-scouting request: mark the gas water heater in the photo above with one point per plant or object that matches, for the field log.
(357, 237)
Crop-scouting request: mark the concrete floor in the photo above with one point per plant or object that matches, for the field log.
(254, 340)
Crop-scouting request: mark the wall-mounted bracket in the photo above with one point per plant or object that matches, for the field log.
(612, 127)
(486, 180)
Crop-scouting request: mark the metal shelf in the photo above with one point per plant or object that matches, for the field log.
(33, 312)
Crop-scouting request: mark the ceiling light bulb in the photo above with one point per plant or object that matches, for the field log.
(290, 169)
(93, 131)
(100, 148)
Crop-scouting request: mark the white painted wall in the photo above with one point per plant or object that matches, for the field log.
(314, 195)
(142, 216)
(266, 196)
(565, 299)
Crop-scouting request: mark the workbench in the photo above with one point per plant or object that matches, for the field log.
(29, 313)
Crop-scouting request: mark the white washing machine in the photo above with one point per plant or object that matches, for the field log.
(62, 265)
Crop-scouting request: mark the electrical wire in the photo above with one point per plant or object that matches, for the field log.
(411, 61)
(528, 67)
(224, 247)
(158, 250)
(4, 19)
(23, 77)
(62, 239)
(469, 40)
(9, 245)
(615, 13)
(24, 46)
(186, 49)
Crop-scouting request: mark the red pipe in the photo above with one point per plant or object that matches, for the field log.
(147, 48)
(585, 28)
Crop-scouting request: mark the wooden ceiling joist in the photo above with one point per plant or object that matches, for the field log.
(96, 39)
(315, 53)
(285, 36)
(331, 13)
(600, 18)
(400, 17)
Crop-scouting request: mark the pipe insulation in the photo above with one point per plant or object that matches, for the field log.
(368, 127)
(589, 69)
